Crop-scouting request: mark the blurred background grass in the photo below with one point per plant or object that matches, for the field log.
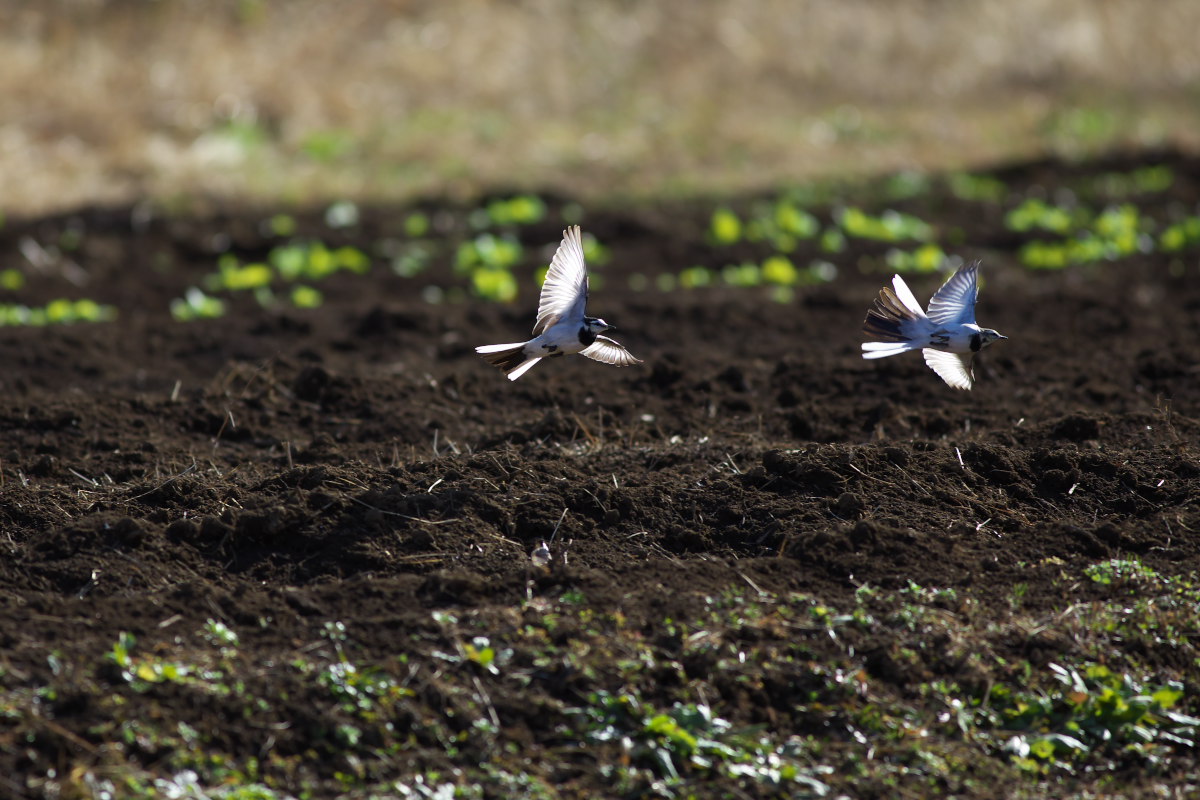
(303, 101)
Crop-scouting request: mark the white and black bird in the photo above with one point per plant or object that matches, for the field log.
(562, 327)
(947, 335)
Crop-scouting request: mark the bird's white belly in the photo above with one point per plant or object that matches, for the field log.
(953, 340)
(558, 341)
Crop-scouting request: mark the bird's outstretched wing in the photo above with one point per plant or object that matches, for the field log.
(564, 294)
(954, 303)
(906, 296)
(953, 368)
(609, 351)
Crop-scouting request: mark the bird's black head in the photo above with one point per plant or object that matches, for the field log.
(595, 325)
(988, 336)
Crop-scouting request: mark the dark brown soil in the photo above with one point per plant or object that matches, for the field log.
(282, 470)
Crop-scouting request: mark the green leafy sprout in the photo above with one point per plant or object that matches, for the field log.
(285, 264)
(890, 226)
(689, 741)
(1115, 232)
(195, 304)
(11, 279)
(56, 312)
(1094, 710)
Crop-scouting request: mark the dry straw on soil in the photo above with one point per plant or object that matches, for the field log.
(105, 101)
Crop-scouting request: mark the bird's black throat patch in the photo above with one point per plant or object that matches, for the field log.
(976, 342)
(586, 337)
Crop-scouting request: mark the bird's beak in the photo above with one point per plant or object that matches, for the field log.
(610, 328)
(1001, 335)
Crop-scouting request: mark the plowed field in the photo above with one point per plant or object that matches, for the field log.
(287, 551)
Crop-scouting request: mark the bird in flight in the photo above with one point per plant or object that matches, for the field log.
(947, 336)
(562, 327)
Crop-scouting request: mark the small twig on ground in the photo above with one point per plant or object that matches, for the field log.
(587, 434)
(404, 516)
(560, 522)
(164, 483)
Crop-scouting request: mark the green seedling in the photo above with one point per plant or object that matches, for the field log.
(265, 297)
(306, 297)
(782, 223)
(70, 239)
(290, 261)
(904, 185)
(479, 651)
(416, 225)
(725, 227)
(1036, 214)
(242, 136)
(1116, 232)
(523, 209)
(819, 271)
(16, 314)
(235, 277)
(56, 312)
(327, 146)
(795, 221)
(696, 277)
(572, 213)
(140, 672)
(782, 294)
(979, 188)
(1146, 180)
(690, 741)
(1152, 179)
(361, 692)
(780, 270)
(926, 258)
(1180, 235)
(594, 252)
(195, 304)
(1120, 571)
(411, 259)
(314, 261)
(220, 634)
(66, 312)
(1094, 711)
(890, 226)
(281, 225)
(1077, 128)
(1047, 255)
(497, 285)
(743, 275)
(342, 214)
(832, 240)
(488, 251)
(122, 651)
(12, 279)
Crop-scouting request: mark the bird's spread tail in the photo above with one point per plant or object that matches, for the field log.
(885, 349)
(508, 357)
(895, 322)
(890, 320)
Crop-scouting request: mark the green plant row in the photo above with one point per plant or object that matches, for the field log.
(272, 282)
(486, 259)
(56, 312)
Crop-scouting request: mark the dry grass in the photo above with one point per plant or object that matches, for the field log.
(305, 100)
